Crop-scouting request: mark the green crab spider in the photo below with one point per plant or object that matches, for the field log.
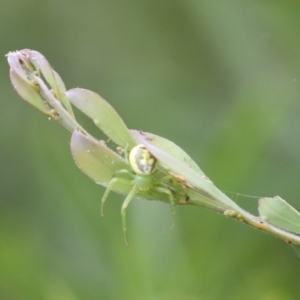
(144, 166)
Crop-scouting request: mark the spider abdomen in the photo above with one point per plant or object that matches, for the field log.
(142, 161)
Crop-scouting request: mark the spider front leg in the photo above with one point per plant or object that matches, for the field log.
(158, 186)
(113, 182)
(125, 204)
(127, 200)
(165, 190)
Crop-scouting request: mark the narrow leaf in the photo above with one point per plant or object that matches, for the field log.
(52, 78)
(18, 62)
(100, 163)
(201, 183)
(28, 92)
(278, 212)
(168, 147)
(103, 114)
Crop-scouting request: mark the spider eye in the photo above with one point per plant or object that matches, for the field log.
(142, 161)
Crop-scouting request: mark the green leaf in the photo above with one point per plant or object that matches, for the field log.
(41, 64)
(94, 158)
(22, 80)
(196, 179)
(18, 62)
(103, 114)
(26, 67)
(278, 212)
(28, 92)
(168, 147)
(52, 78)
(100, 163)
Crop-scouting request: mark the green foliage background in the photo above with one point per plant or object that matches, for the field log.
(220, 79)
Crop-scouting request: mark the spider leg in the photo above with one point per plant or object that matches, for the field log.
(125, 204)
(165, 190)
(159, 186)
(166, 178)
(110, 186)
(163, 179)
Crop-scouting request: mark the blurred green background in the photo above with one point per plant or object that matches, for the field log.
(220, 79)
